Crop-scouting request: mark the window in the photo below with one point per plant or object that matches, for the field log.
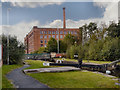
(56, 36)
(30, 34)
(53, 32)
(49, 36)
(71, 32)
(61, 36)
(53, 36)
(64, 32)
(45, 32)
(61, 32)
(41, 41)
(45, 41)
(45, 46)
(75, 32)
(45, 36)
(49, 32)
(41, 32)
(56, 32)
(41, 36)
(41, 45)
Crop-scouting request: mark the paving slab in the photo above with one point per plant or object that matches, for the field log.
(54, 69)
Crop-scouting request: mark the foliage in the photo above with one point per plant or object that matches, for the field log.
(40, 50)
(69, 40)
(97, 44)
(62, 46)
(72, 51)
(52, 45)
(6, 69)
(16, 50)
(111, 49)
(114, 30)
(78, 37)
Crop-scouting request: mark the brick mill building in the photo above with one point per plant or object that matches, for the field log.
(38, 37)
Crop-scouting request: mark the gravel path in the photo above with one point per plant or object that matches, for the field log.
(20, 80)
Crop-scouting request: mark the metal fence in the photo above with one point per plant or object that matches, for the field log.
(42, 56)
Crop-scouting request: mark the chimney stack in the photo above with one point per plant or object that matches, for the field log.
(64, 24)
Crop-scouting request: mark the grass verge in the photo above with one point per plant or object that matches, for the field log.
(86, 61)
(37, 64)
(5, 70)
(73, 79)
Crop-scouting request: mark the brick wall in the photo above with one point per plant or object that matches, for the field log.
(38, 37)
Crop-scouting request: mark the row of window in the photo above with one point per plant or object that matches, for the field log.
(43, 41)
(56, 32)
(41, 36)
(43, 45)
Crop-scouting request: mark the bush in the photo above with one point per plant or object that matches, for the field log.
(16, 50)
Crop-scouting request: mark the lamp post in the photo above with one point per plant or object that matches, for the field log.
(58, 39)
(8, 10)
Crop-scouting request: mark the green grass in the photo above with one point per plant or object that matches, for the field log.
(97, 62)
(37, 64)
(0, 78)
(5, 70)
(86, 61)
(74, 79)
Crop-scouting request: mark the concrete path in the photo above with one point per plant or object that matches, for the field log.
(53, 69)
(20, 80)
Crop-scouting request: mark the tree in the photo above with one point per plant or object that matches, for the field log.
(16, 50)
(40, 50)
(78, 37)
(62, 47)
(114, 30)
(69, 40)
(72, 51)
(52, 45)
(111, 49)
(84, 33)
(91, 28)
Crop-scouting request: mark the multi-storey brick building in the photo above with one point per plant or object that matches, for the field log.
(38, 37)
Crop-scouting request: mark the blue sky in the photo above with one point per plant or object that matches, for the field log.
(25, 15)
(74, 11)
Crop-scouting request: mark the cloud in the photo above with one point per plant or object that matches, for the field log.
(33, 3)
(111, 10)
(21, 29)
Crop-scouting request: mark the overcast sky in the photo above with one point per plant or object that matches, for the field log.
(24, 15)
(74, 11)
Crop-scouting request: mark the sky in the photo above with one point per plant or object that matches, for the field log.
(24, 15)
(74, 11)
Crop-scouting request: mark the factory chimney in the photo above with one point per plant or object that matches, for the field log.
(64, 24)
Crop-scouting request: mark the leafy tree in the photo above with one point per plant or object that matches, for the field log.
(84, 33)
(91, 28)
(112, 30)
(69, 40)
(16, 50)
(111, 49)
(71, 51)
(52, 45)
(78, 37)
(62, 47)
(40, 50)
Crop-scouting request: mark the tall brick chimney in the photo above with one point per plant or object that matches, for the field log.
(64, 24)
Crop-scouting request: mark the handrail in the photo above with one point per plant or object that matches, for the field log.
(114, 62)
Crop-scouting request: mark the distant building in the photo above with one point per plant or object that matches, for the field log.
(38, 37)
